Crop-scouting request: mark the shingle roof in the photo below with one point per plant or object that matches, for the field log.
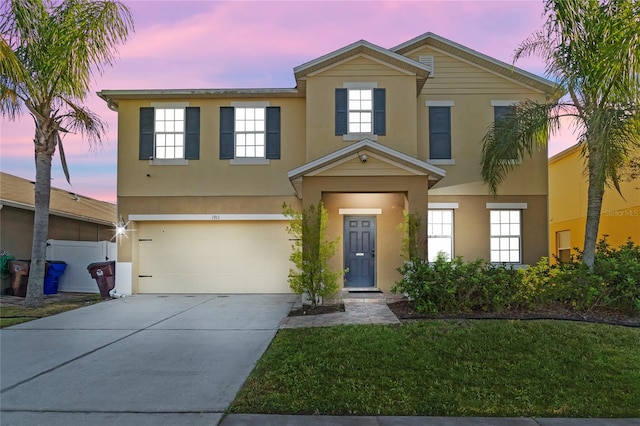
(18, 192)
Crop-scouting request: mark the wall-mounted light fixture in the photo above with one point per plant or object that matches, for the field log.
(363, 158)
(121, 228)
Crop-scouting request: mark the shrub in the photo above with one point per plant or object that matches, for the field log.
(457, 287)
(311, 251)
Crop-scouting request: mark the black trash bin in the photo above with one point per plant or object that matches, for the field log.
(19, 270)
(105, 276)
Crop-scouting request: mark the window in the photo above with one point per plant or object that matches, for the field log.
(500, 110)
(360, 110)
(169, 133)
(563, 246)
(439, 233)
(439, 133)
(505, 237)
(249, 132)
(250, 128)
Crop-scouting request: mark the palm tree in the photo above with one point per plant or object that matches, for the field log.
(591, 49)
(49, 52)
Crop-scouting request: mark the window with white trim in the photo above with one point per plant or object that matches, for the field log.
(360, 110)
(563, 246)
(169, 132)
(506, 235)
(250, 132)
(439, 233)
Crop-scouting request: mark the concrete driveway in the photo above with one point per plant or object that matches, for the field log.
(143, 360)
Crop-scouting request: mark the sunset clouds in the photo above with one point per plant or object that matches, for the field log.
(240, 44)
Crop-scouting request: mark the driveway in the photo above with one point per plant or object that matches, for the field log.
(143, 360)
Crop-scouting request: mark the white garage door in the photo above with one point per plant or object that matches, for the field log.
(213, 257)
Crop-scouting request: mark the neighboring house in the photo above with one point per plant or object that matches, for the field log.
(619, 217)
(370, 131)
(71, 217)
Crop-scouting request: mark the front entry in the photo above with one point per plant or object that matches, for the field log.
(360, 251)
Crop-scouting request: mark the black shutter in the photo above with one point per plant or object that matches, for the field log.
(146, 133)
(379, 112)
(227, 139)
(341, 111)
(192, 134)
(273, 133)
(440, 133)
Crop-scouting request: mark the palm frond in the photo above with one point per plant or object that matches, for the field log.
(518, 134)
(81, 119)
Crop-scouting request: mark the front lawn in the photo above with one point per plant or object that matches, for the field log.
(450, 368)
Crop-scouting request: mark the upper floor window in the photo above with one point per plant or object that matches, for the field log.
(169, 125)
(360, 111)
(250, 128)
(500, 110)
(250, 131)
(169, 132)
(439, 132)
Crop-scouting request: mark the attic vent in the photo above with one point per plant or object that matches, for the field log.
(429, 63)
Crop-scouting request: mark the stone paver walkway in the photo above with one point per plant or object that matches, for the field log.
(356, 311)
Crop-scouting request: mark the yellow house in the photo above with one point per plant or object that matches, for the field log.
(369, 131)
(619, 217)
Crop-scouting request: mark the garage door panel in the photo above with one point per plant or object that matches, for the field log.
(219, 257)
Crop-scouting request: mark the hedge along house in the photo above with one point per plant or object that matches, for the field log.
(372, 132)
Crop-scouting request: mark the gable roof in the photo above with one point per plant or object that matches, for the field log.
(473, 56)
(401, 160)
(366, 48)
(19, 193)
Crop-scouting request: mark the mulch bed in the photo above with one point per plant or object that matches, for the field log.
(405, 311)
(319, 309)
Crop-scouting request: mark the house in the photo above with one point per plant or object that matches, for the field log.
(619, 216)
(71, 217)
(371, 132)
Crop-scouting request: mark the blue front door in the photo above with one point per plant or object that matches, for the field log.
(360, 251)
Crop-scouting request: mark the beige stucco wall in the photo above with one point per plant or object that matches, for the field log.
(209, 176)
(471, 225)
(400, 105)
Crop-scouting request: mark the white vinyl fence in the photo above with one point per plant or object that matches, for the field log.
(78, 255)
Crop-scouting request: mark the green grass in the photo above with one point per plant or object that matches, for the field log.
(450, 368)
(12, 314)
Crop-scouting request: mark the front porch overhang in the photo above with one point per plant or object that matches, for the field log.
(365, 158)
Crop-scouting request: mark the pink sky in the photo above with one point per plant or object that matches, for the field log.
(240, 44)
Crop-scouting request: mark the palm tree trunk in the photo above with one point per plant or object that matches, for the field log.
(595, 193)
(37, 271)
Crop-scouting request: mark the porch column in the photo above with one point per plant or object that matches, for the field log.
(417, 204)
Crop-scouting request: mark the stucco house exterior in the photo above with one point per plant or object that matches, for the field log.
(568, 184)
(373, 132)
